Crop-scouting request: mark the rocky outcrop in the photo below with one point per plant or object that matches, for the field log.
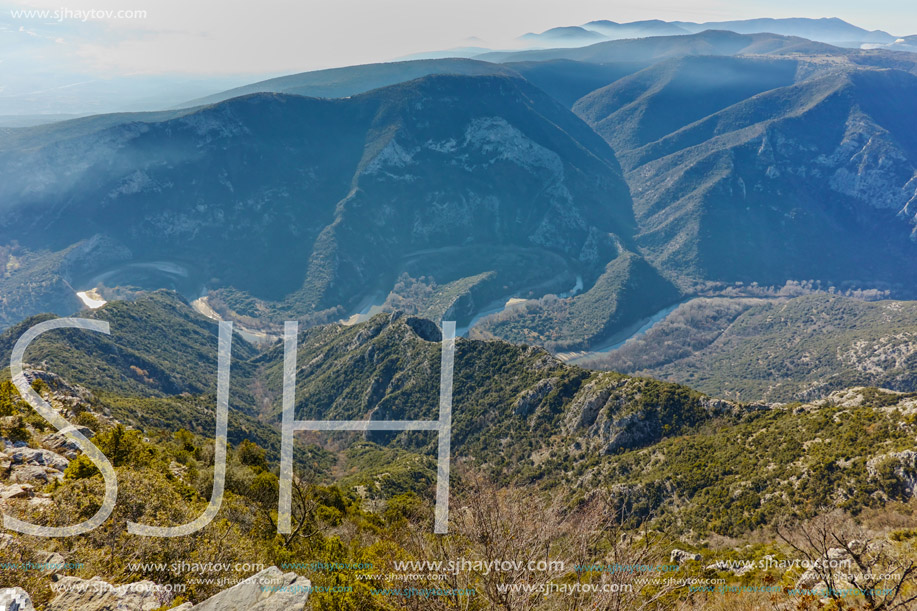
(63, 396)
(15, 491)
(903, 466)
(15, 599)
(425, 329)
(601, 412)
(614, 414)
(269, 590)
(837, 562)
(736, 568)
(529, 400)
(679, 556)
(35, 466)
(61, 444)
(585, 408)
(98, 595)
(35, 456)
(632, 430)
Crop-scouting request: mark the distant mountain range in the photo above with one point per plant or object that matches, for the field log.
(709, 42)
(569, 36)
(47, 95)
(636, 29)
(831, 30)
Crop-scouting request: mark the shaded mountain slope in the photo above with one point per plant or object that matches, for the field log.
(158, 346)
(646, 106)
(795, 182)
(298, 207)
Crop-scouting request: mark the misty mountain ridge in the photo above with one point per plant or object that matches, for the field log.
(378, 188)
(825, 29)
(785, 181)
(48, 98)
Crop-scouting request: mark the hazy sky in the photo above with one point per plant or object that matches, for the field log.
(280, 36)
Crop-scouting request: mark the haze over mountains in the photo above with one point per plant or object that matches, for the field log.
(315, 204)
(44, 94)
(797, 179)
(829, 30)
(595, 185)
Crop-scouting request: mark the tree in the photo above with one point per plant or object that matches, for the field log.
(843, 555)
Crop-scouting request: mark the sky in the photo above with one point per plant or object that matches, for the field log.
(279, 36)
(89, 56)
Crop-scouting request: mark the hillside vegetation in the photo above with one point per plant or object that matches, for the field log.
(611, 452)
(777, 349)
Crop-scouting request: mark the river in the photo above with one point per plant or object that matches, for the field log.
(620, 338)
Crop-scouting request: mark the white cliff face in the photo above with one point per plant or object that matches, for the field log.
(485, 141)
(485, 145)
(868, 166)
(91, 299)
(496, 140)
(392, 161)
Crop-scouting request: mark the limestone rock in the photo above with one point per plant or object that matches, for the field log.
(838, 561)
(33, 456)
(52, 562)
(98, 595)
(36, 466)
(531, 398)
(425, 329)
(30, 474)
(737, 569)
(586, 406)
(16, 491)
(680, 555)
(269, 590)
(903, 465)
(61, 444)
(15, 599)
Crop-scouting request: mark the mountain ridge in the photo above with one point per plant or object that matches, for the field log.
(511, 167)
(757, 180)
